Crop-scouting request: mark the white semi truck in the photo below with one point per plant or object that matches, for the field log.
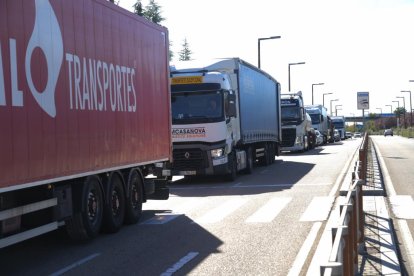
(296, 124)
(243, 127)
(319, 116)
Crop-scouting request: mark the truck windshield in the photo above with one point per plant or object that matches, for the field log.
(290, 113)
(339, 124)
(315, 118)
(197, 107)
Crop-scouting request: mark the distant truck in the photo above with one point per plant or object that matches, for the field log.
(297, 131)
(244, 126)
(319, 116)
(84, 116)
(339, 124)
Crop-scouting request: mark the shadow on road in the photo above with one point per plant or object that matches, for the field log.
(279, 176)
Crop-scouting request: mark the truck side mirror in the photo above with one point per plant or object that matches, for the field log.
(231, 112)
(321, 118)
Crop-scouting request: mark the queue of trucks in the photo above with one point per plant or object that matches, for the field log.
(95, 121)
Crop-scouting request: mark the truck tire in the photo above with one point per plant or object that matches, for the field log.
(249, 161)
(114, 207)
(135, 195)
(232, 175)
(89, 200)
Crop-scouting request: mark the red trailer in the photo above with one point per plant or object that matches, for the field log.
(84, 117)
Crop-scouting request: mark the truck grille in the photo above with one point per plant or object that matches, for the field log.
(189, 159)
(288, 137)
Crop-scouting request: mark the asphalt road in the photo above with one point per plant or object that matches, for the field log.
(397, 154)
(266, 223)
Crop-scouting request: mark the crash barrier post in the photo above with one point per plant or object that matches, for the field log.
(349, 234)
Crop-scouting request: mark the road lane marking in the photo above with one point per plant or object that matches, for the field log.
(402, 206)
(182, 262)
(223, 210)
(385, 174)
(269, 211)
(408, 240)
(304, 250)
(318, 209)
(76, 264)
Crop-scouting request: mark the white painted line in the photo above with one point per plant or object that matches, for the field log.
(223, 210)
(402, 206)
(386, 176)
(304, 250)
(318, 209)
(270, 210)
(237, 184)
(408, 240)
(182, 262)
(188, 205)
(78, 263)
(160, 219)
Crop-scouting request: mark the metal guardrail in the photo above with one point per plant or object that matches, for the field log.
(348, 236)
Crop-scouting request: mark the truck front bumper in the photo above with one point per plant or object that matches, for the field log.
(190, 160)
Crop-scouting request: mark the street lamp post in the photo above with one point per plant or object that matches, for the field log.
(330, 107)
(321, 83)
(258, 46)
(336, 109)
(390, 105)
(411, 107)
(405, 110)
(323, 98)
(398, 119)
(296, 63)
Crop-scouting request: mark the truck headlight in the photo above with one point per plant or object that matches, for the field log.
(298, 140)
(215, 153)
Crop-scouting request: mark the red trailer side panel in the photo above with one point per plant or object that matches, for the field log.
(84, 87)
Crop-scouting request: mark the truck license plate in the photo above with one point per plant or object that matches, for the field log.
(187, 172)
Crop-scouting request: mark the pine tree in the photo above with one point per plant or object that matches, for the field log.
(185, 53)
(138, 8)
(152, 12)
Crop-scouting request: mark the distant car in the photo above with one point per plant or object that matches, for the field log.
(388, 132)
(357, 135)
(319, 138)
(337, 137)
(348, 135)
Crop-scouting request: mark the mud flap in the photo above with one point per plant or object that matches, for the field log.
(157, 189)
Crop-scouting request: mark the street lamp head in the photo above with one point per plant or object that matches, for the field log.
(321, 83)
(297, 63)
(270, 37)
(408, 91)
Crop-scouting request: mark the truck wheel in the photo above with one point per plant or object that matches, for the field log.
(249, 161)
(114, 207)
(89, 199)
(133, 205)
(232, 175)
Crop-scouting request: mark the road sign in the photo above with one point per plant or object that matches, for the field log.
(363, 100)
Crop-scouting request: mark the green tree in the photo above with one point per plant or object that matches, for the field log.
(138, 9)
(185, 53)
(152, 12)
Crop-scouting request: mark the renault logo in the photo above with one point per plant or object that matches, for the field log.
(187, 155)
